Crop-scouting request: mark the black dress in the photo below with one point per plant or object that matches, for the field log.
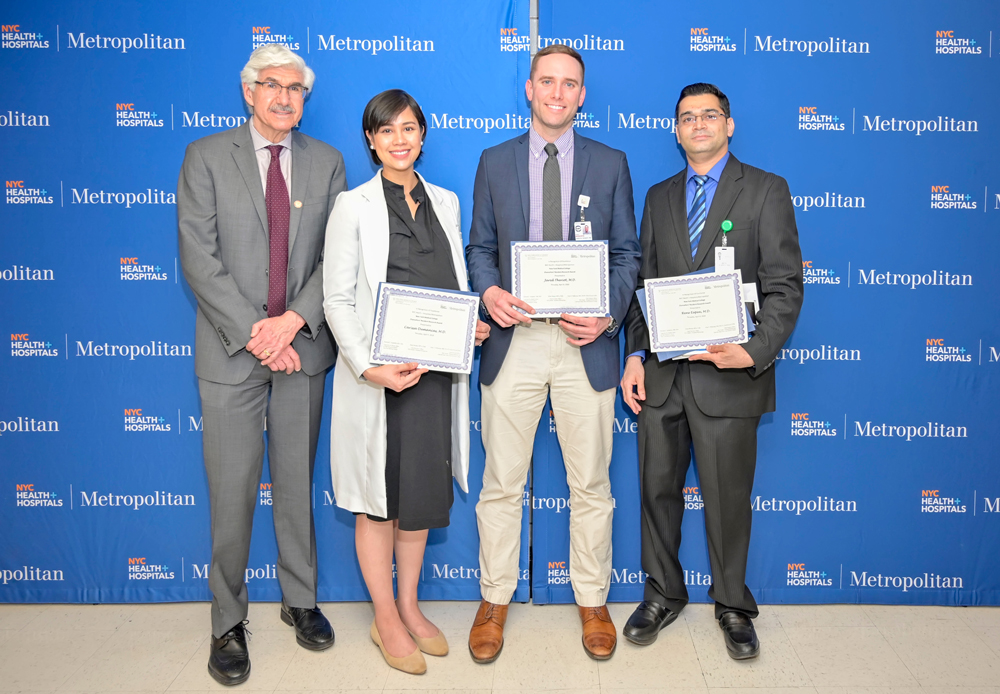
(418, 477)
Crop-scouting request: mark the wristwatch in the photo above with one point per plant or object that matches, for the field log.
(612, 326)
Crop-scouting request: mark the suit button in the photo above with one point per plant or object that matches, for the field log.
(266, 271)
(264, 307)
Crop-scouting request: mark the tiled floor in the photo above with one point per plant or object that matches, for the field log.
(828, 649)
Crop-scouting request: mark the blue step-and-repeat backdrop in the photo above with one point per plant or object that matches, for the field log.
(877, 478)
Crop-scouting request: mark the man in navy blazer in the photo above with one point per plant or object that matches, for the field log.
(531, 188)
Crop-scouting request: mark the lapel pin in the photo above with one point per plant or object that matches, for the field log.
(298, 203)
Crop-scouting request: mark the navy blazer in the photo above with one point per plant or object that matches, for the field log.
(501, 202)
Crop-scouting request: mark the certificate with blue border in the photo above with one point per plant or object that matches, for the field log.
(556, 277)
(693, 311)
(435, 328)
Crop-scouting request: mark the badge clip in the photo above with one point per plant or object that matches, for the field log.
(727, 226)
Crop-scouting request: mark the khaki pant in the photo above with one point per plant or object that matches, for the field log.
(540, 362)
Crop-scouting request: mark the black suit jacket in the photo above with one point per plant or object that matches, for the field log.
(767, 252)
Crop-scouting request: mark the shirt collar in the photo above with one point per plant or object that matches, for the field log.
(715, 173)
(536, 143)
(397, 190)
(260, 142)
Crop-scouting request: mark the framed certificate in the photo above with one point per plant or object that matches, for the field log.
(434, 327)
(693, 311)
(556, 277)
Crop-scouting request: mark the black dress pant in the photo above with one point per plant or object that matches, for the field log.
(725, 450)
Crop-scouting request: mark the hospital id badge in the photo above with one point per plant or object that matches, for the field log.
(725, 259)
(582, 231)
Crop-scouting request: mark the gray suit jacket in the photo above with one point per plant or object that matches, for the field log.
(767, 252)
(224, 248)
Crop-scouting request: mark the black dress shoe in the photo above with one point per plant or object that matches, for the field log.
(741, 639)
(312, 629)
(229, 662)
(647, 620)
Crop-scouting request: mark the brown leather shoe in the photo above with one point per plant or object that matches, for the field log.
(486, 637)
(599, 637)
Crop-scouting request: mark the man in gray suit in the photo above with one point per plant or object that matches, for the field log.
(252, 205)
(713, 401)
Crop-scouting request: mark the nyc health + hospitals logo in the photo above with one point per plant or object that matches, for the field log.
(26, 496)
(802, 425)
(813, 274)
(812, 118)
(132, 270)
(586, 120)
(947, 42)
(265, 35)
(938, 350)
(936, 501)
(800, 576)
(703, 40)
(136, 421)
(23, 345)
(141, 569)
(944, 198)
(127, 115)
(22, 193)
(16, 36)
(557, 573)
(513, 42)
(693, 500)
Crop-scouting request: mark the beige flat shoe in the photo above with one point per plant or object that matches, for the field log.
(413, 664)
(435, 645)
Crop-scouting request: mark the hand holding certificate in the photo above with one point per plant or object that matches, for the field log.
(433, 328)
(692, 312)
(557, 277)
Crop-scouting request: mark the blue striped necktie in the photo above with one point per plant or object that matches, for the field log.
(697, 214)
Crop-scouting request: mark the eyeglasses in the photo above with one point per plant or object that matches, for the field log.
(274, 89)
(705, 118)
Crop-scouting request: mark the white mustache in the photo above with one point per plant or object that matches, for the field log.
(281, 108)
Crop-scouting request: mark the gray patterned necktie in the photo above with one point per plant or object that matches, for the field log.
(551, 196)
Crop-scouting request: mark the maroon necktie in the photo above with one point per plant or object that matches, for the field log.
(278, 214)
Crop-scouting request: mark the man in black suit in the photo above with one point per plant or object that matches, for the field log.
(714, 400)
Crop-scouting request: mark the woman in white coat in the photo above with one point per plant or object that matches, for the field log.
(399, 433)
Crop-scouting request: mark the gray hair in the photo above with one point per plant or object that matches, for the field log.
(275, 55)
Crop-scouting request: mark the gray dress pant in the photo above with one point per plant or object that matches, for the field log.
(233, 418)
